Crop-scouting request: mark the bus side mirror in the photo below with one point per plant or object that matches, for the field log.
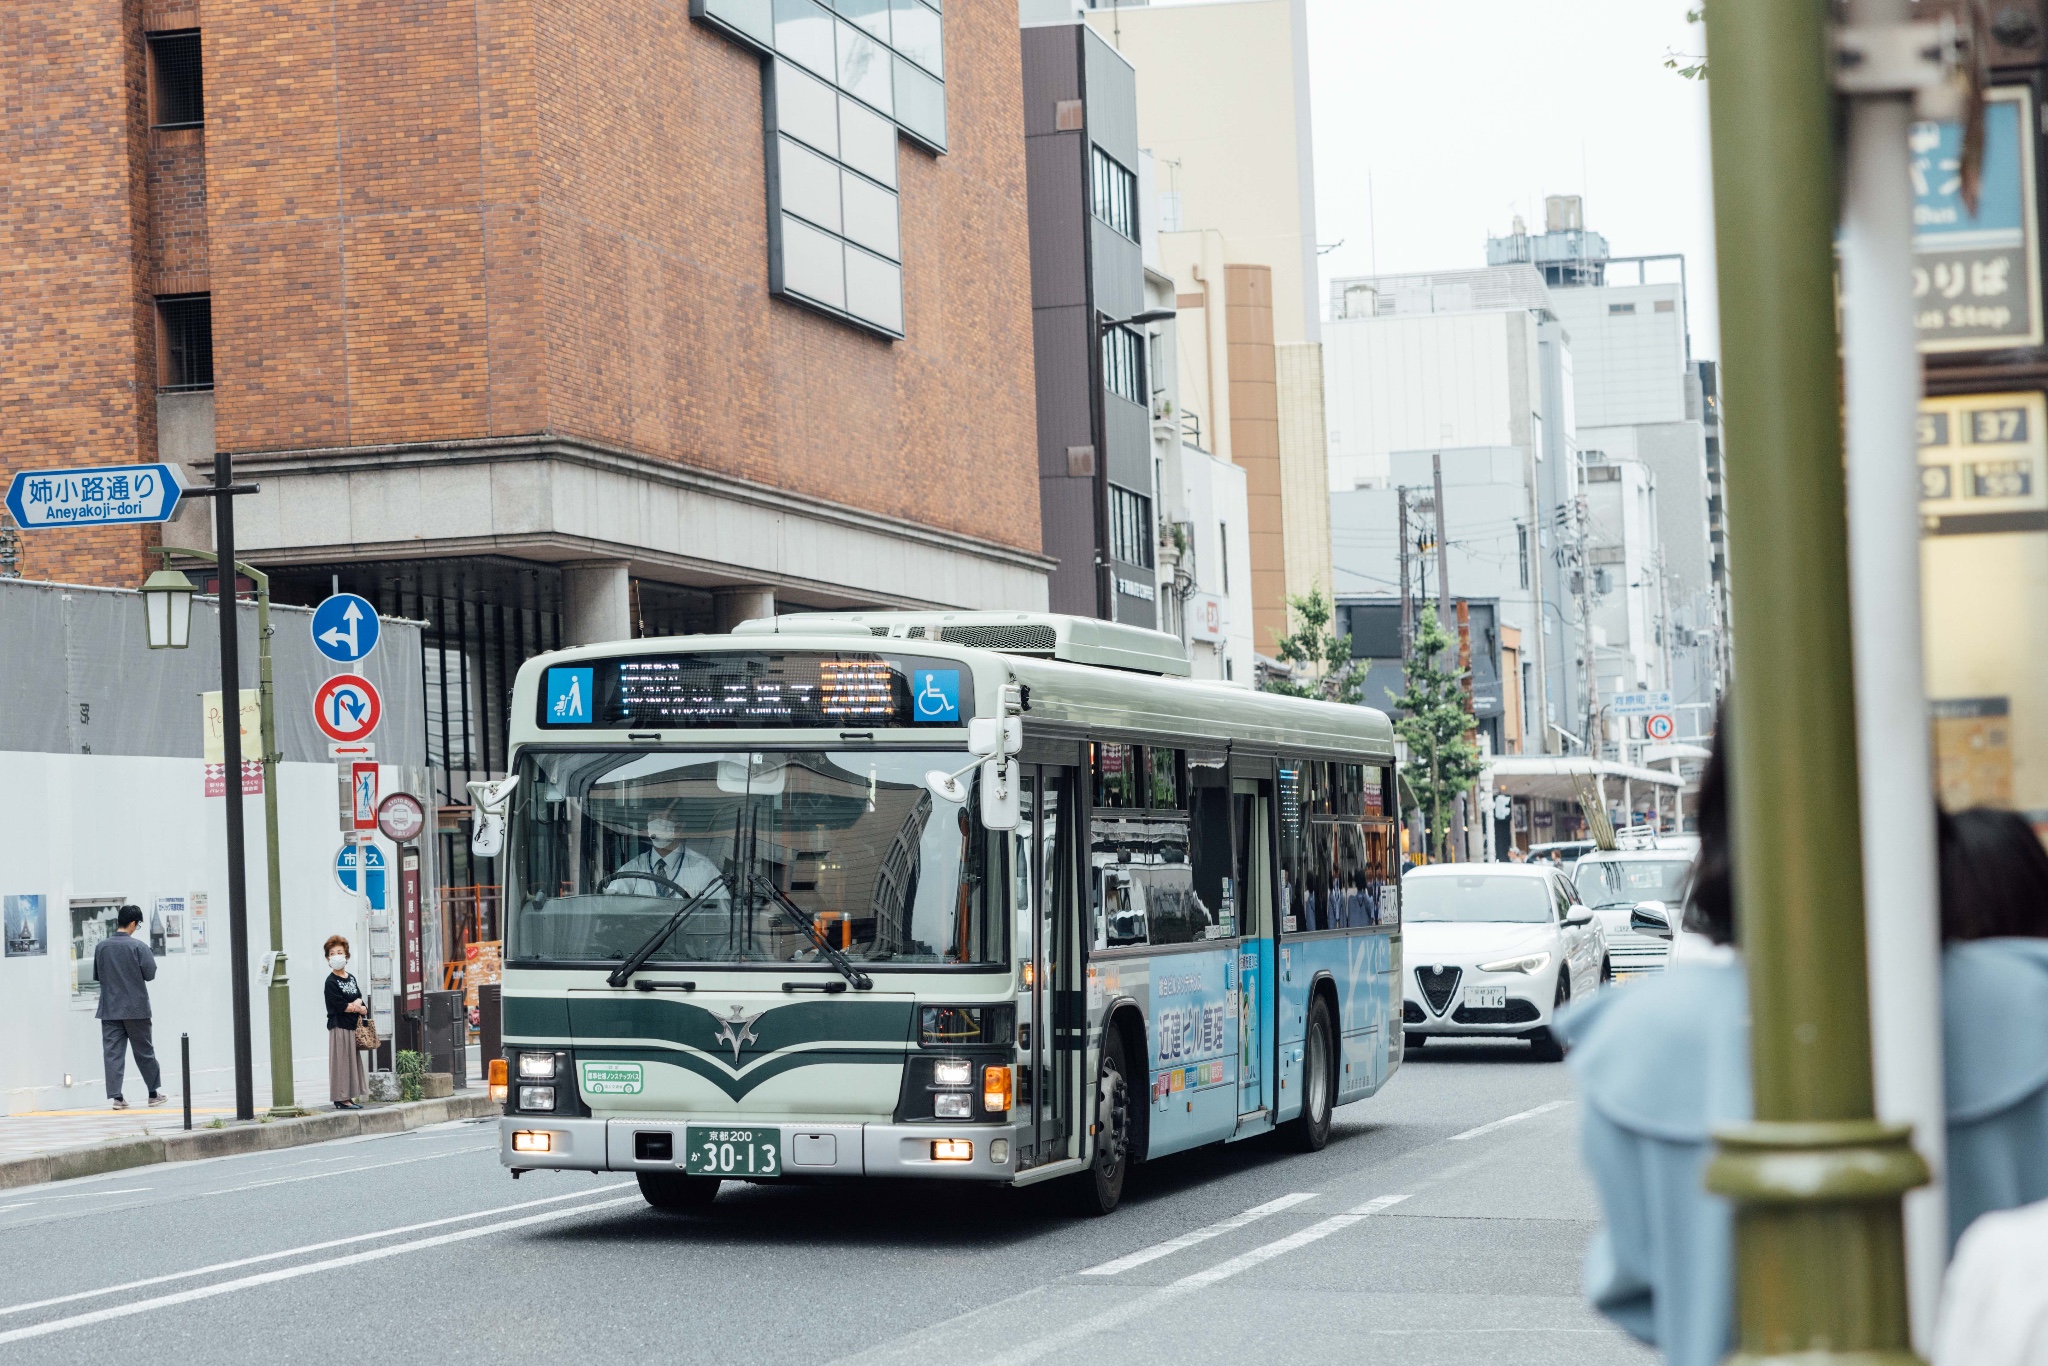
(489, 802)
(1000, 807)
(1650, 917)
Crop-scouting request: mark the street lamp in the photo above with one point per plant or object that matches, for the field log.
(168, 594)
(167, 609)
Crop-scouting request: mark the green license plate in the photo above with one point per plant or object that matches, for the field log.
(718, 1150)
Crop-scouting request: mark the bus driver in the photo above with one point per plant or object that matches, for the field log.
(668, 858)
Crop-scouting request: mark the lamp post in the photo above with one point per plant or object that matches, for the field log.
(1098, 424)
(1816, 1179)
(283, 1102)
(167, 602)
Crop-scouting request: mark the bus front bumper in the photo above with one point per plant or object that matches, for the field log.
(542, 1143)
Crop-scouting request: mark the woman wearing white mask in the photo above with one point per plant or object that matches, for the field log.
(345, 1009)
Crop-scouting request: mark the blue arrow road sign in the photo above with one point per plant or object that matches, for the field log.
(345, 628)
(106, 495)
(352, 862)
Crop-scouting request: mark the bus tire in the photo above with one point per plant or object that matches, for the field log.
(674, 1193)
(1102, 1188)
(1310, 1130)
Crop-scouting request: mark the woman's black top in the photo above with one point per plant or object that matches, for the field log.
(340, 991)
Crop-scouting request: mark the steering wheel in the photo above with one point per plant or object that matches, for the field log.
(656, 878)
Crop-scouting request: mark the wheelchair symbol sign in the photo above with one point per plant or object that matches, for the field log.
(935, 695)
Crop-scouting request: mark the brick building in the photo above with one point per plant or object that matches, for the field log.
(538, 320)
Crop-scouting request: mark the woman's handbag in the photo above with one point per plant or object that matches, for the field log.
(366, 1033)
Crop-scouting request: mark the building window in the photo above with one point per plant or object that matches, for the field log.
(1620, 310)
(184, 329)
(177, 95)
(1123, 365)
(839, 83)
(1130, 527)
(1116, 193)
(1223, 553)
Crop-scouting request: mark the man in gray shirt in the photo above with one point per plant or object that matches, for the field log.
(123, 965)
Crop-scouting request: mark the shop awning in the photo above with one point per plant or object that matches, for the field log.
(1557, 778)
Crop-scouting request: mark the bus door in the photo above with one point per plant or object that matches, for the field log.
(1054, 1002)
(1251, 803)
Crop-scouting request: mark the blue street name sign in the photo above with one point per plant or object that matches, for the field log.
(352, 863)
(106, 495)
(345, 628)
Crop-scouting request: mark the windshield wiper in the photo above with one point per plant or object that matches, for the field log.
(861, 981)
(637, 959)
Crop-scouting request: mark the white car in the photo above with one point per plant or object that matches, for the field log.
(1493, 949)
(1614, 882)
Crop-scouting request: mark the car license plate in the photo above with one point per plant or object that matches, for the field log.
(1486, 998)
(717, 1150)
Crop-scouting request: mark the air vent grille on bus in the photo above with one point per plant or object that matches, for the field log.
(1001, 637)
(878, 630)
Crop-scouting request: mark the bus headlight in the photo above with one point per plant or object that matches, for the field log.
(953, 1105)
(952, 1150)
(536, 1067)
(529, 1141)
(953, 1072)
(536, 1097)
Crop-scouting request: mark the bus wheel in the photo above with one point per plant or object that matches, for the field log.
(1311, 1129)
(678, 1194)
(1103, 1187)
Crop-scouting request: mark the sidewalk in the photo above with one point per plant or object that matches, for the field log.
(92, 1136)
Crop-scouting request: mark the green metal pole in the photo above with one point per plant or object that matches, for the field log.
(283, 1103)
(1816, 1181)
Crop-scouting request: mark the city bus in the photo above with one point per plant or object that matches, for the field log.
(977, 896)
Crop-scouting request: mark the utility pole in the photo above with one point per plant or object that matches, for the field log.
(1443, 550)
(1541, 619)
(1407, 598)
(1816, 1181)
(231, 758)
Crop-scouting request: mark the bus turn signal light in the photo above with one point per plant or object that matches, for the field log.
(952, 1150)
(996, 1086)
(499, 1080)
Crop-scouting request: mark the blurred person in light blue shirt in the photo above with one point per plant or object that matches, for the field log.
(1663, 1063)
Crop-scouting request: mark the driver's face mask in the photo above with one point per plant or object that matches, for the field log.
(661, 830)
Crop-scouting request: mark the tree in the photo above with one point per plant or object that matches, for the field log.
(1322, 659)
(1433, 720)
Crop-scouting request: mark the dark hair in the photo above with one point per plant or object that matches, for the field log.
(1994, 876)
(130, 915)
(332, 940)
(1710, 900)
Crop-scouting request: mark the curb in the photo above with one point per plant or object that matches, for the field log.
(184, 1146)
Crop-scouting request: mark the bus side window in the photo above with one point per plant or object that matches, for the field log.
(1292, 838)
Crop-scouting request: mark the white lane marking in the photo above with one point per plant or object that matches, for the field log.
(302, 1251)
(1315, 1232)
(344, 1171)
(1511, 1119)
(290, 1273)
(1089, 1328)
(1200, 1235)
(82, 1194)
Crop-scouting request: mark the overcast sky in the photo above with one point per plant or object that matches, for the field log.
(1467, 112)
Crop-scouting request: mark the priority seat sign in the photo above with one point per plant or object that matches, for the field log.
(347, 708)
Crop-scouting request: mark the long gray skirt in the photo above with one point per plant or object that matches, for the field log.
(345, 1079)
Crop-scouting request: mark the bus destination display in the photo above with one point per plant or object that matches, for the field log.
(755, 692)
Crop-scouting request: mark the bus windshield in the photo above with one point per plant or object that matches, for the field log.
(607, 845)
(1624, 882)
